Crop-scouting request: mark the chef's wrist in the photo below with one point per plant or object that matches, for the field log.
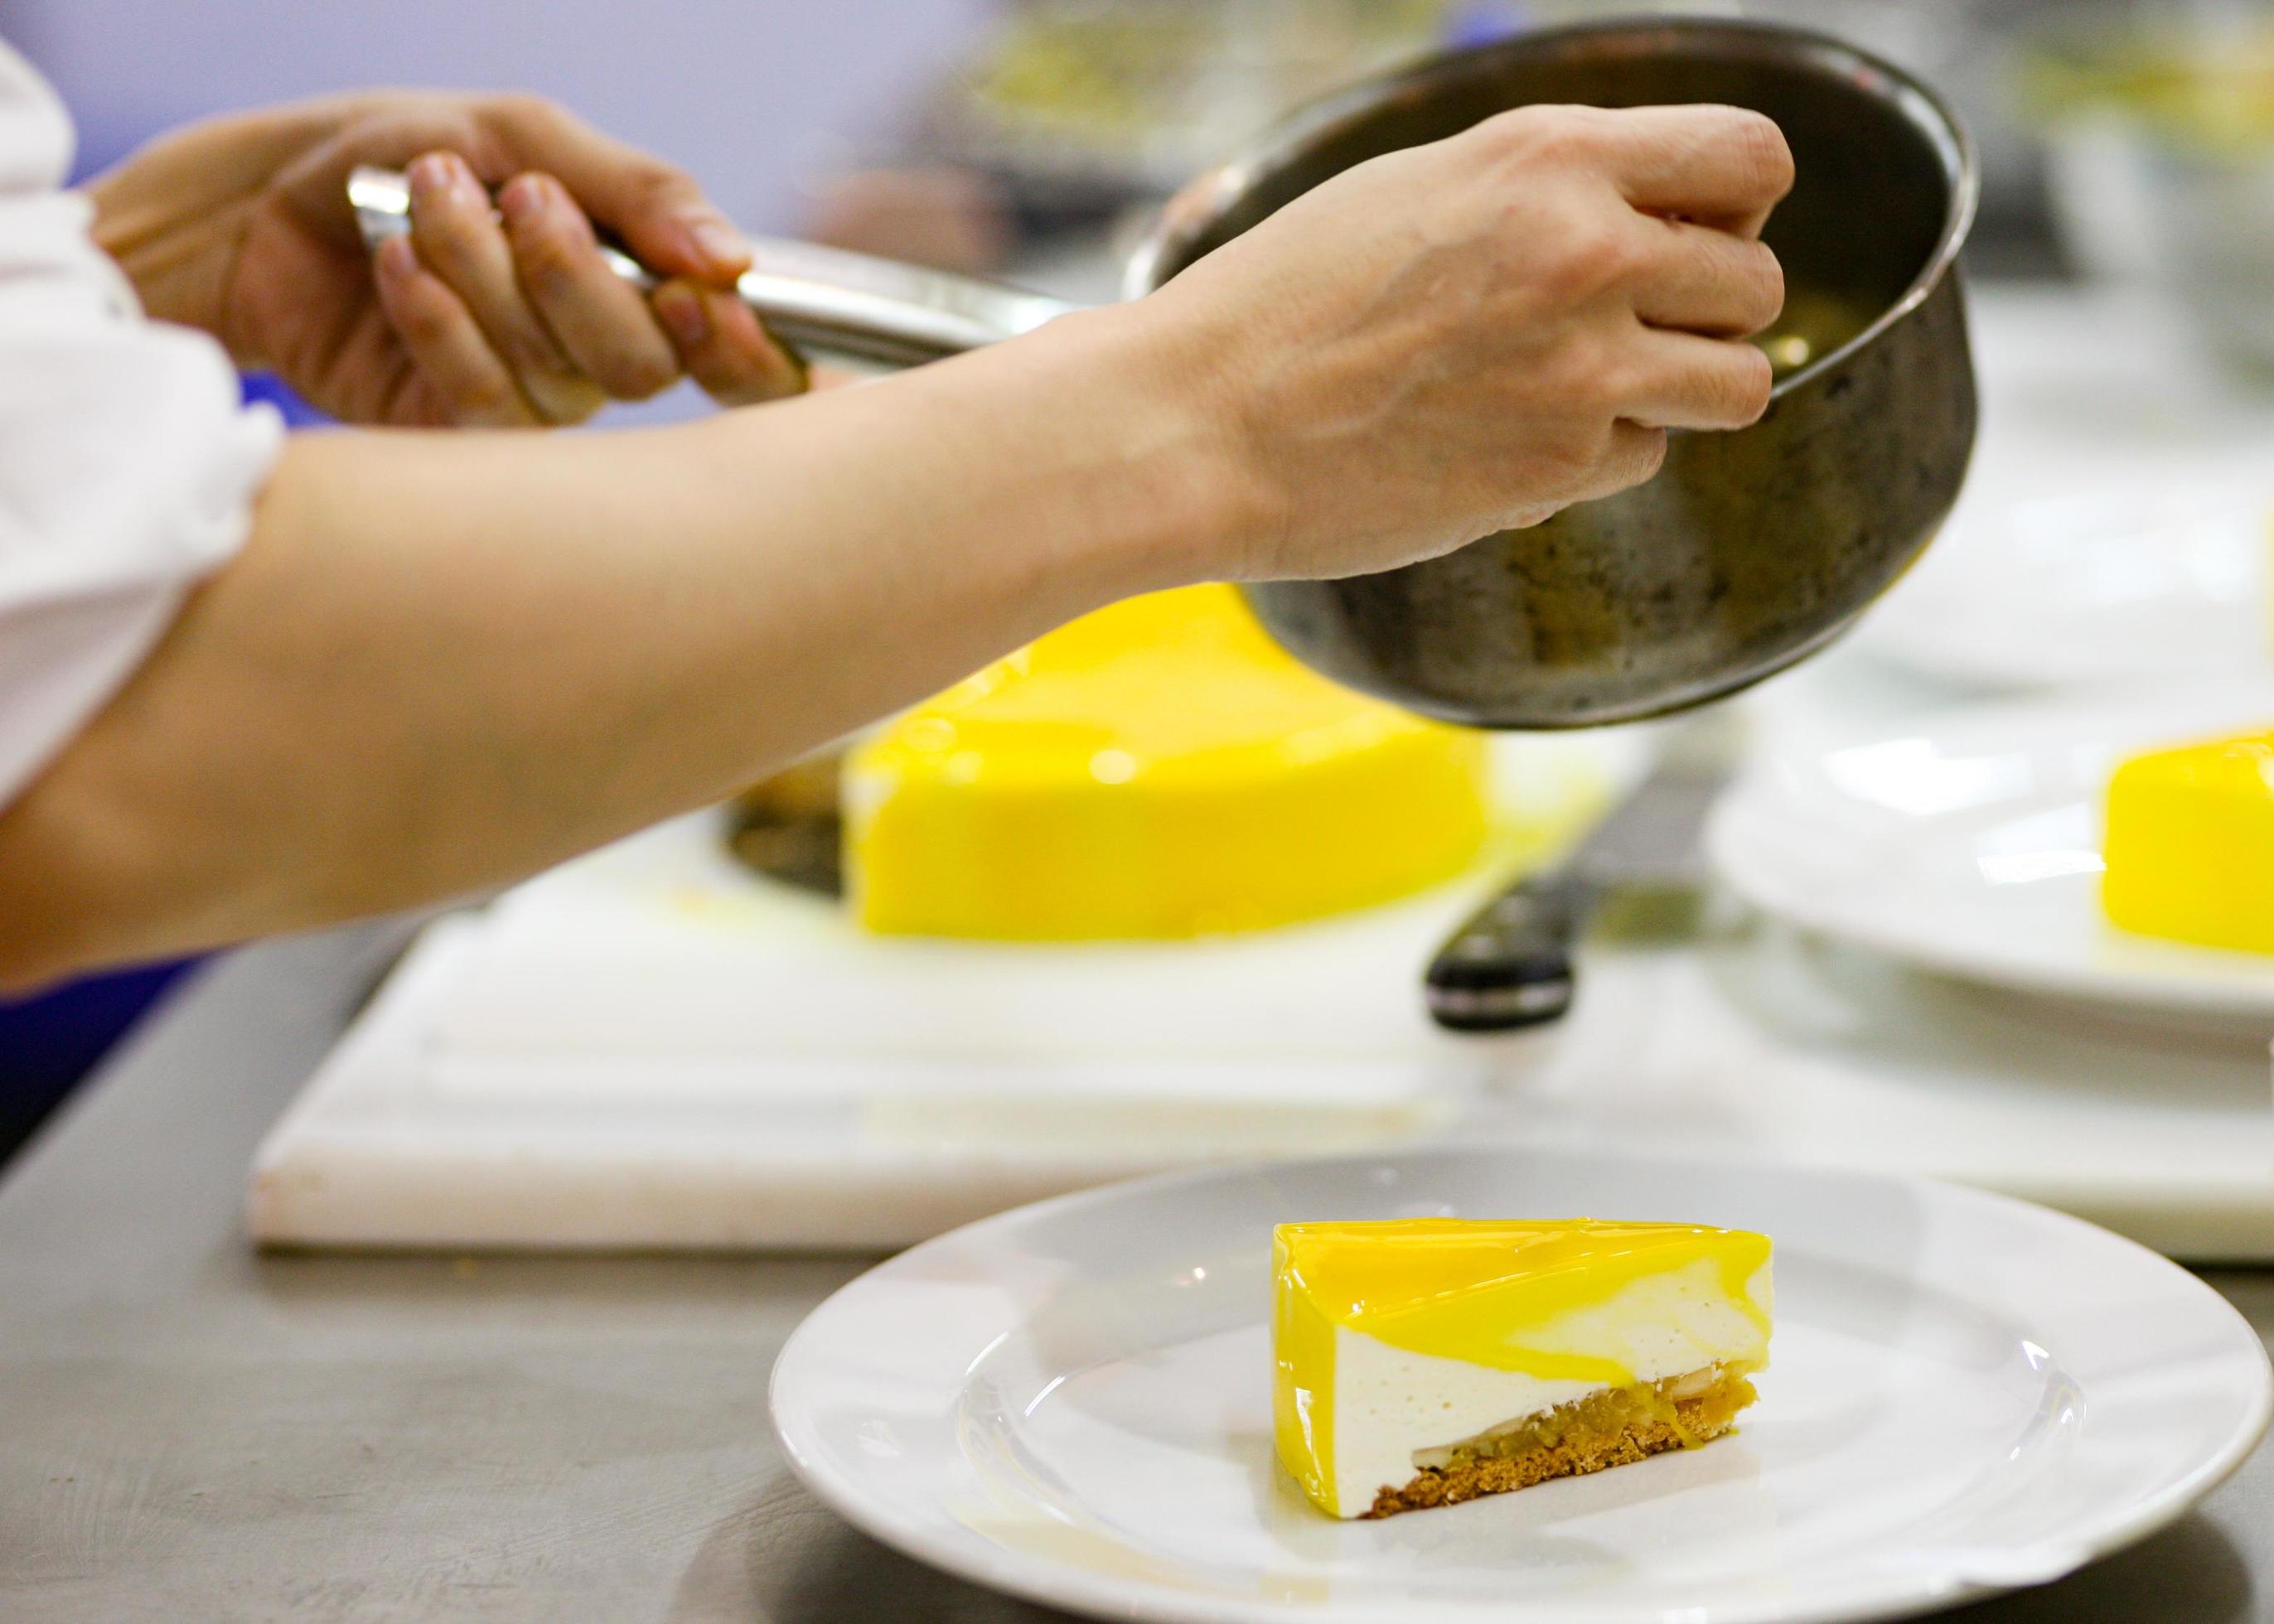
(1198, 504)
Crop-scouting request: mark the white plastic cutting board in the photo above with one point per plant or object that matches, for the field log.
(630, 1055)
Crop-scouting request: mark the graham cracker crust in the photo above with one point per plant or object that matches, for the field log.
(1586, 1442)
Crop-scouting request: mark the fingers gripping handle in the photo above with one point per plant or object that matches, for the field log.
(821, 300)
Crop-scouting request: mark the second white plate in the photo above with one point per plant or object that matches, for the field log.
(1072, 1402)
(2065, 589)
(1970, 842)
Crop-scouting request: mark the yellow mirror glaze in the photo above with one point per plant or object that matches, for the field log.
(1478, 1289)
(2188, 842)
(1161, 768)
(1506, 1295)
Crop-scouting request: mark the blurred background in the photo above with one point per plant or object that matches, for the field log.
(2124, 143)
(1072, 106)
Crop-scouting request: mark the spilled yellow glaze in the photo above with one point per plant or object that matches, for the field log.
(2189, 844)
(1510, 1296)
(1159, 769)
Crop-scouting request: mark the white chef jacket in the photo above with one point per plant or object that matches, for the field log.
(128, 464)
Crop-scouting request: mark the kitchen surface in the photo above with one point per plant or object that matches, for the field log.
(200, 1430)
(873, 1197)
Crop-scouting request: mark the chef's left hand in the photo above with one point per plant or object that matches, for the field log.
(241, 227)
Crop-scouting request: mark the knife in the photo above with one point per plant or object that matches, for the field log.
(1509, 966)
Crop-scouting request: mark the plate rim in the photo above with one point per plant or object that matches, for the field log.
(1731, 855)
(1031, 1578)
(2235, 500)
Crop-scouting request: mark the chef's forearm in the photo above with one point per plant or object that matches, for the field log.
(443, 663)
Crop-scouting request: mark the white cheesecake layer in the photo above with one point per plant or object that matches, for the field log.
(1389, 1403)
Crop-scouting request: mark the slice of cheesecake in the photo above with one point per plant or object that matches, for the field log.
(1427, 1361)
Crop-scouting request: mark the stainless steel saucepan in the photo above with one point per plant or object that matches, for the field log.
(1749, 550)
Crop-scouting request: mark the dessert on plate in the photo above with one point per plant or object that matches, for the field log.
(1427, 1361)
(2188, 844)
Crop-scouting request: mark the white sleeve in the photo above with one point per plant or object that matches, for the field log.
(128, 466)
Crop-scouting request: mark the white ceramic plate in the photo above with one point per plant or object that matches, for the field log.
(2063, 588)
(1970, 842)
(1071, 1401)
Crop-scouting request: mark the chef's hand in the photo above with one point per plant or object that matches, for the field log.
(241, 227)
(1468, 336)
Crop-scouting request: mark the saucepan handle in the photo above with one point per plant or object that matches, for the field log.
(821, 301)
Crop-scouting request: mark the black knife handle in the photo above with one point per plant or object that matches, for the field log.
(1511, 964)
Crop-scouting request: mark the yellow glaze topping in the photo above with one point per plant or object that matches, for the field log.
(1510, 1296)
(1158, 768)
(2189, 844)
(1479, 1290)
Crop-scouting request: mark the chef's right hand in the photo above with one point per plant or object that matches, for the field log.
(1471, 335)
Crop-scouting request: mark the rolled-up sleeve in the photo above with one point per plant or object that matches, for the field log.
(128, 465)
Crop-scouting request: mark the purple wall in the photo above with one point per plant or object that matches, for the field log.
(750, 95)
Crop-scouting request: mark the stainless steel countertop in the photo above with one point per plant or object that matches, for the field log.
(191, 1431)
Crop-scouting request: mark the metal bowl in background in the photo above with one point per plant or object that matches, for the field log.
(1749, 549)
